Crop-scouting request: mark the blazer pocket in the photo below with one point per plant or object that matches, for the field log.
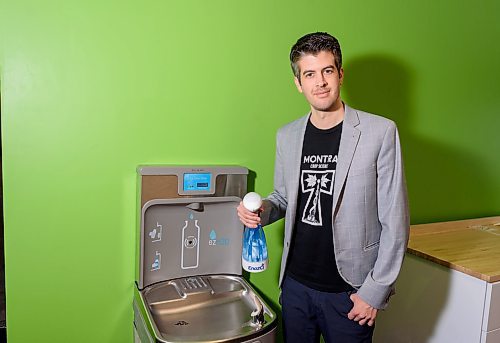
(371, 246)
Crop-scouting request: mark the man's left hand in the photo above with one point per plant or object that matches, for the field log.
(361, 311)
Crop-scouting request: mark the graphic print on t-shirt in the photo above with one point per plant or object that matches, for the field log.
(315, 182)
(312, 254)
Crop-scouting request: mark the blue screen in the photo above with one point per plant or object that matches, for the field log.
(197, 182)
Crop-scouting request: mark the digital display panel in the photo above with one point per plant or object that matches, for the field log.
(197, 182)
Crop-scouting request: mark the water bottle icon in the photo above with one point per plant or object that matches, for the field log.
(190, 252)
(254, 256)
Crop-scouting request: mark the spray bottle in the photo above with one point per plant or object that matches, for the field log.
(254, 256)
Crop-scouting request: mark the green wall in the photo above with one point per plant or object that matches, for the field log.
(91, 89)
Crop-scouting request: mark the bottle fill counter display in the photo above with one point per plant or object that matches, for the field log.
(189, 276)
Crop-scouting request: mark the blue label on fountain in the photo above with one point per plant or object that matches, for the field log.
(196, 182)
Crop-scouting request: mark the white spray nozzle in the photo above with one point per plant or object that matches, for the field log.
(252, 201)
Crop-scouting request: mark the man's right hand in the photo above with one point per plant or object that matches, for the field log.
(249, 219)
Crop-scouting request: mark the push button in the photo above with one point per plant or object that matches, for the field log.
(190, 242)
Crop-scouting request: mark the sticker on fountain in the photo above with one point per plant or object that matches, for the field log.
(156, 265)
(155, 234)
(190, 252)
(217, 241)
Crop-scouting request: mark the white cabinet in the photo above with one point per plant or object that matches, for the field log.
(449, 287)
(440, 305)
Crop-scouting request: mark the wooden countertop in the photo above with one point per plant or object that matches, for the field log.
(471, 246)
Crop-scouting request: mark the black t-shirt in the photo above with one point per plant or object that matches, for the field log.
(312, 258)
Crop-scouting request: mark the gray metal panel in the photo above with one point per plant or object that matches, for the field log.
(164, 182)
(189, 236)
(141, 329)
(269, 337)
(222, 176)
(178, 170)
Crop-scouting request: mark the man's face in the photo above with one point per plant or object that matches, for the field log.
(320, 81)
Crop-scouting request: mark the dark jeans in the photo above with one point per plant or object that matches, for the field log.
(308, 313)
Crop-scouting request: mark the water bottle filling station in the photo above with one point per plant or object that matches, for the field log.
(189, 278)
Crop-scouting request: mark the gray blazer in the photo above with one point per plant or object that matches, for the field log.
(370, 206)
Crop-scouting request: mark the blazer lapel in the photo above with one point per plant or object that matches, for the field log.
(348, 143)
(296, 141)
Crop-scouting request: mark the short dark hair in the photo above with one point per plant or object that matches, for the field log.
(314, 43)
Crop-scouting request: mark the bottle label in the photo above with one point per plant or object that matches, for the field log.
(254, 267)
(254, 253)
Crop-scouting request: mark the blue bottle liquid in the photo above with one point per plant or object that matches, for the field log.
(254, 256)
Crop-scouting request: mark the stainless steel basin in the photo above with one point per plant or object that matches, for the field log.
(206, 308)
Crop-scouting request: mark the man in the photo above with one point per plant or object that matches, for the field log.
(339, 184)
